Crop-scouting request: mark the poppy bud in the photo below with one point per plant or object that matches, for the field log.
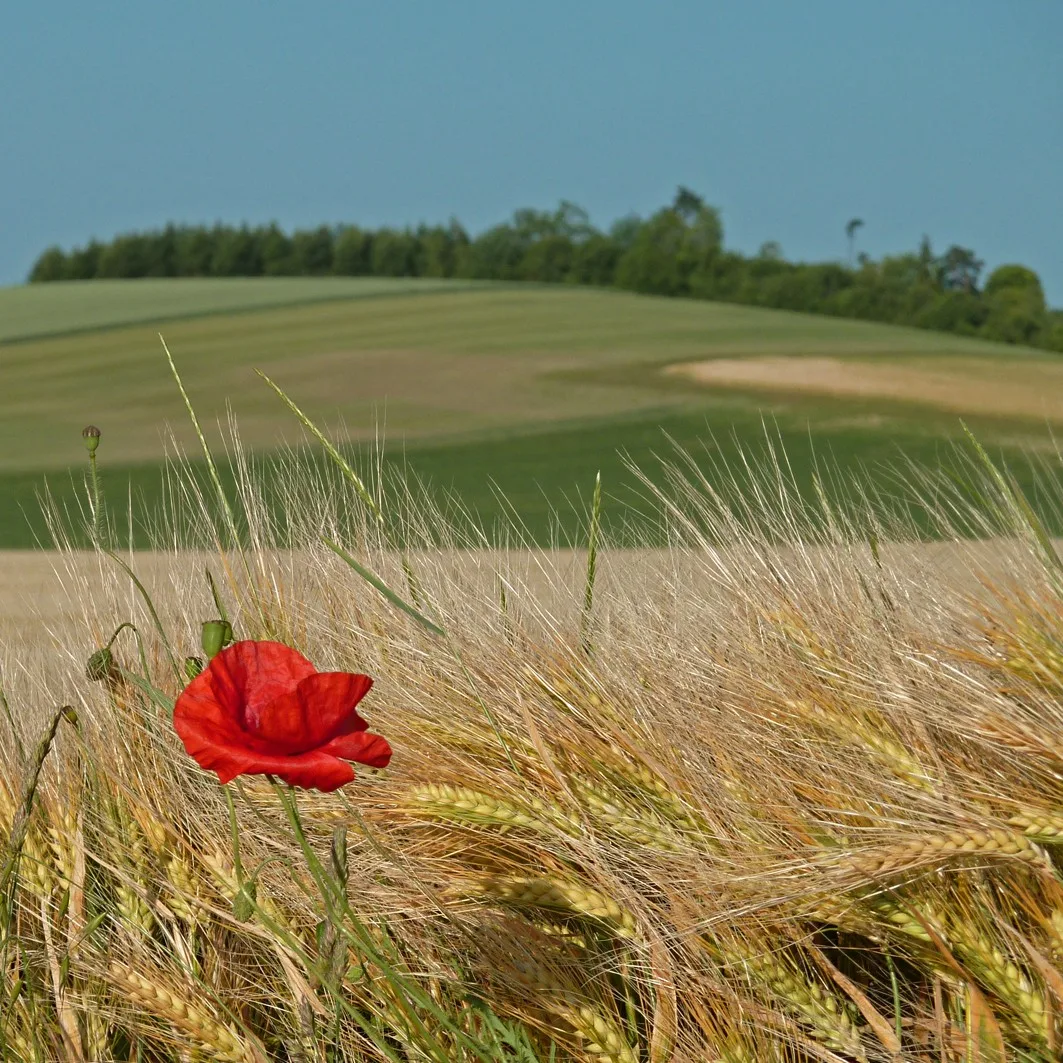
(244, 901)
(193, 666)
(216, 634)
(100, 666)
(91, 435)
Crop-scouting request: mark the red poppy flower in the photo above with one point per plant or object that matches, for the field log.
(261, 708)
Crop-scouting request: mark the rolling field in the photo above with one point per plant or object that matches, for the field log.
(33, 311)
(529, 391)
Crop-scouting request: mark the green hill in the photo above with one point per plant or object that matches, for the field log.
(33, 311)
(534, 388)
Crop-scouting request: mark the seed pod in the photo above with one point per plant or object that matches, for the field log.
(244, 901)
(100, 667)
(215, 635)
(91, 435)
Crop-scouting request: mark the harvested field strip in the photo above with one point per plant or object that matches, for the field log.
(958, 384)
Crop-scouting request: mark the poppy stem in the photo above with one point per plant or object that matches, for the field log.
(234, 830)
(140, 643)
(317, 869)
(410, 996)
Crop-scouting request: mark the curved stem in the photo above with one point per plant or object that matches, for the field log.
(140, 643)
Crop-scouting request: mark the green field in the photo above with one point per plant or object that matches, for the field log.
(530, 389)
(32, 311)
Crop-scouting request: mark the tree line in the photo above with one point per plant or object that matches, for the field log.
(677, 251)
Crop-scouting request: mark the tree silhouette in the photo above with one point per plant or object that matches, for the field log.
(850, 232)
(687, 204)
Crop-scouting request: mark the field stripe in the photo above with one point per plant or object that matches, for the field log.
(236, 309)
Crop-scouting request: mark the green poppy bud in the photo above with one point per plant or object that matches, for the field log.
(216, 634)
(100, 666)
(91, 435)
(193, 666)
(244, 901)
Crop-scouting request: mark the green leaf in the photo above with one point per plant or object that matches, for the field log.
(153, 692)
(384, 589)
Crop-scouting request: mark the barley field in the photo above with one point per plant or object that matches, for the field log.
(786, 789)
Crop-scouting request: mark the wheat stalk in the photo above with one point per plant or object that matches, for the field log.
(223, 875)
(558, 895)
(599, 1033)
(178, 875)
(473, 806)
(643, 779)
(1001, 975)
(170, 1004)
(1038, 825)
(993, 843)
(803, 997)
(620, 817)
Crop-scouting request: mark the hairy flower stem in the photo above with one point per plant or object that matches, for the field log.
(343, 917)
(234, 832)
(140, 644)
(94, 478)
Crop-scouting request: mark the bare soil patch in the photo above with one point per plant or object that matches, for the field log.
(1033, 389)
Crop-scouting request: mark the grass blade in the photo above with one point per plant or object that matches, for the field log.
(592, 563)
(337, 457)
(222, 496)
(384, 589)
(1023, 515)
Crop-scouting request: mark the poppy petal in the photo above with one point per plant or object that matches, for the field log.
(362, 747)
(248, 675)
(321, 707)
(316, 771)
(312, 771)
(260, 708)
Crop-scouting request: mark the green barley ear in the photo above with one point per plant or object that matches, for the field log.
(193, 666)
(339, 856)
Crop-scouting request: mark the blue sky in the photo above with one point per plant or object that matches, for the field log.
(943, 118)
